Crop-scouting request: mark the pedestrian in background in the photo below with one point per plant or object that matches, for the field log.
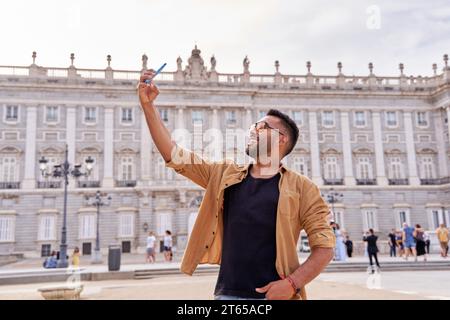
(52, 261)
(151, 243)
(392, 243)
(420, 242)
(442, 235)
(340, 251)
(426, 236)
(349, 245)
(408, 241)
(76, 257)
(168, 255)
(399, 241)
(372, 248)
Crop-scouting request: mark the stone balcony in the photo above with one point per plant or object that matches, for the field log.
(398, 182)
(48, 184)
(366, 182)
(197, 74)
(9, 185)
(125, 183)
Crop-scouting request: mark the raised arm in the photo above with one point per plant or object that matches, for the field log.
(183, 161)
(158, 131)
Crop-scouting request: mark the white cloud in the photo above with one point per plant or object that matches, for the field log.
(413, 32)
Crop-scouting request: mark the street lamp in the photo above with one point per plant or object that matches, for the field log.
(333, 197)
(98, 202)
(64, 170)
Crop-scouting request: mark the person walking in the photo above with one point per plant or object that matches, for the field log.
(426, 236)
(251, 214)
(420, 242)
(399, 241)
(151, 243)
(392, 243)
(76, 257)
(349, 246)
(408, 241)
(341, 254)
(442, 235)
(168, 255)
(372, 248)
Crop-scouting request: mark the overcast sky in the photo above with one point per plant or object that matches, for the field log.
(355, 32)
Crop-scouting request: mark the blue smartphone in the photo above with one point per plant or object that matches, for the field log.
(156, 73)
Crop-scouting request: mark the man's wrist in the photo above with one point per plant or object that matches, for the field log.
(293, 285)
(147, 104)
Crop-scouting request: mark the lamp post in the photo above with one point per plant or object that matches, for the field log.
(98, 202)
(333, 197)
(63, 171)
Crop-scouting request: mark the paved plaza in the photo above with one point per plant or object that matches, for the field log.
(406, 285)
(402, 285)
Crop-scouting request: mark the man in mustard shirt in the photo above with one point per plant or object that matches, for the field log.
(251, 215)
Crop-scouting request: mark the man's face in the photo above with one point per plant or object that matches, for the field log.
(265, 138)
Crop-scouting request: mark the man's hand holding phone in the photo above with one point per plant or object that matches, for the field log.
(147, 91)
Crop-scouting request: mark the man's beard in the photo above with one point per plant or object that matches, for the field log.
(254, 151)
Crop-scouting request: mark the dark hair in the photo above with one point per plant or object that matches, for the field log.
(417, 225)
(289, 125)
(168, 232)
(371, 231)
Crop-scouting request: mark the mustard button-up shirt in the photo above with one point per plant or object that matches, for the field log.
(300, 206)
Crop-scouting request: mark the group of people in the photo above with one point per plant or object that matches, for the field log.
(52, 261)
(151, 247)
(409, 241)
(412, 241)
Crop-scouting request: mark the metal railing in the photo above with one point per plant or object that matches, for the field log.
(366, 182)
(9, 185)
(333, 182)
(398, 182)
(48, 184)
(88, 184)
(125, 183)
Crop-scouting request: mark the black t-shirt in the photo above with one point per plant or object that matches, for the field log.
(392, 237)
(249, 239)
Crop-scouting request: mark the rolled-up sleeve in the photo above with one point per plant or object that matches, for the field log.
(190, 165)
(313, 218)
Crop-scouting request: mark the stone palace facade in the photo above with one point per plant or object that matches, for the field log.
(380, 143)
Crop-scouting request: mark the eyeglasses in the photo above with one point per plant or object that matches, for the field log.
(263, 125)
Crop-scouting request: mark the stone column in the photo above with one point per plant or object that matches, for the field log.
(108, 149)
(215, 118)
(314, 141)
(448, 121)
(442, 155)
(146, 153)
(248, 118)
(180, 117)
(71, 120)
(29, 181)
(411, 149)
(379, 153)
(347, 150)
